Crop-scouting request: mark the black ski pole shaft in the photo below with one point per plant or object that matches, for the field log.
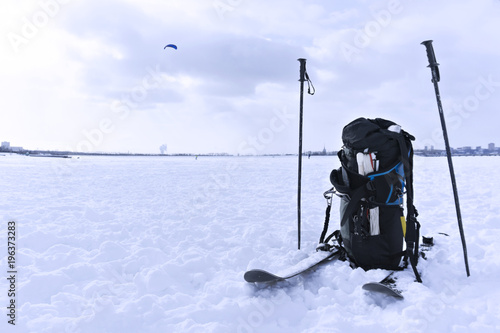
(435, 79)
(299, 187)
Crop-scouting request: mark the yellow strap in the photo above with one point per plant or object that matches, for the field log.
(403, 224)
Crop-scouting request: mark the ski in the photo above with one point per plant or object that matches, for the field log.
(260, 275)
(386, 286)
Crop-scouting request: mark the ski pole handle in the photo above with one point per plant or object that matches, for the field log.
(302, 69)
(433, 64)
(430, 53)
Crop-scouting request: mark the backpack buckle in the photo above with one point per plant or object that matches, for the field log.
(370, 186)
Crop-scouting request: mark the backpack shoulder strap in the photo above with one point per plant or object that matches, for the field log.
(412, 225)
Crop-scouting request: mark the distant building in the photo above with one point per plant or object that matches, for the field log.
(467, 150)
(7, 147)
(491, 146)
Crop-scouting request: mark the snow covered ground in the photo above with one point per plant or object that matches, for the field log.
(160, 244)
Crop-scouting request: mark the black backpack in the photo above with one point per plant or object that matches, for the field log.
(375, 173)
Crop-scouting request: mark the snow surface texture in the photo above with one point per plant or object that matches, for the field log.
(132, 244)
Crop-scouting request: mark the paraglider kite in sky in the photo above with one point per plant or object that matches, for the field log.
(171, 45)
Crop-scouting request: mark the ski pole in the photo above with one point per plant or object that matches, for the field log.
(433, 65)
(302, 79)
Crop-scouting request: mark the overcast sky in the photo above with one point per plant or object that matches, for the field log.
(94, 75)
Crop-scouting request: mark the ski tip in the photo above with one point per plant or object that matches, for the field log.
(259, 275)
(382, 289)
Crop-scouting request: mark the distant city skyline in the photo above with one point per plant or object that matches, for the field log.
(465, 150)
